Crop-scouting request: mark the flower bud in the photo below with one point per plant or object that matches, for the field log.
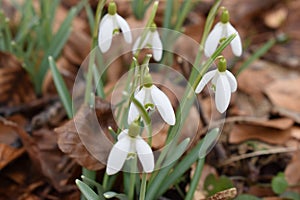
(147, 80)
(112, 8)
(225, 16)
(134, 129)
(222, 65)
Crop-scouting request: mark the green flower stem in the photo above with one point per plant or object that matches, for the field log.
(208, 24)
(132, 178)
(195, 179)
(145, 31)
(88, 173)
(105, 181)
(186, 103)
(143, 186)
(129, 89)
(88, 89)
(186, 7)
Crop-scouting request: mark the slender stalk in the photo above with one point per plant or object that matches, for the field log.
(195, 179)
(132, 178)
(143, 186)
(105, 181)
(88, 89)
(87, 100)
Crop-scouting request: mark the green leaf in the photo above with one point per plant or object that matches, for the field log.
(208, 141)
(212, 184)
(175, 153)
(258, 53)
(56, 45)
(91, 182)
(246, 197)
(161, 184)
(279, 183)
(111, 194)
(290, 195)
(61, 88)
(86, 190)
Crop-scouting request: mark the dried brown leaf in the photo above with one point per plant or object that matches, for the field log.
(45, 155)
(78, 47)
(244, 132)
(285, 93)
(86, 138)
(15, 85)
(8, 136)
(291, 172)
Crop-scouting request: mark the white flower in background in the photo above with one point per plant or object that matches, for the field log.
(223, 84)
(151, 97)
(152, 40)
(221, 31)
(129, 144)
(110, 25)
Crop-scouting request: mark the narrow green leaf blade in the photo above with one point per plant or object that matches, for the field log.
(61, 88)
(208, 141)
(86, 190)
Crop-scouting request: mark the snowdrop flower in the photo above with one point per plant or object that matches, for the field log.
(110, 25)
(151, 40)
(129, 144)
(223, 30)
(223, 84)
(152, 97)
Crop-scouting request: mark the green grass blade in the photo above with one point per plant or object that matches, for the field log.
(86, 190)
(61, 88)
(261, 51)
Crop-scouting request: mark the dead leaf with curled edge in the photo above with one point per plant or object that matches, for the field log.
(15, 85)
(86, 138)
(44, 155)
(8, 136)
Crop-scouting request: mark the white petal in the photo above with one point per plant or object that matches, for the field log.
(125, 28)
(118, 155)
(123, 134)
(105, 33)
(145, 155)
(205, 79)
(213, 39)
(236, 44)
(232, 81)
(156, 46)
(133, 112)
(163, 105)
(223, 93)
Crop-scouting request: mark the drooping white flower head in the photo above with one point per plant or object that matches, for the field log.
(151, 40)
(151, 97)
(129, 144)
(223, 29)
(223, 84)
(110, 25)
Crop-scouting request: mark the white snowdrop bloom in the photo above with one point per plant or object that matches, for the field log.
(151, 40)
(223, 84)
(110, 25)
(223, 30)
(129, 144)
(151, 97)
